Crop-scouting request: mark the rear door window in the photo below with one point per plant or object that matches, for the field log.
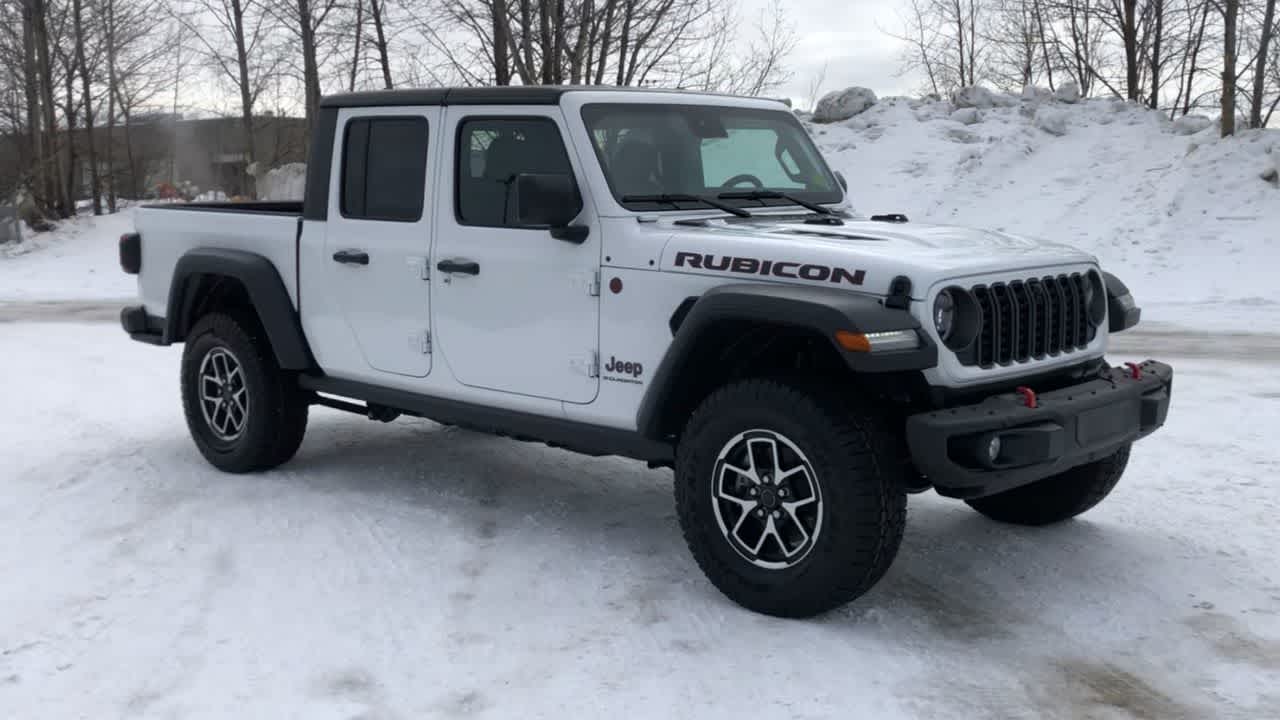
(384, 168)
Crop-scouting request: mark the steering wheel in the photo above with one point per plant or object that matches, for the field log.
(739, 179)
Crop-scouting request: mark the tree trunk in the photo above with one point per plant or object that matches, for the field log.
(557, 55)
(609, 10)
(1231, 12)
(501, 42)
(546, 75)
(95, 179)
(1260, 72)
(246, 96)
(55, 196)
(384, 61)
(310, 67)
(1157, 8)
(579, 61)
(355, 53)
(70, 179)
(112, 90)
(1129, 35)
(623, 40)
(31, 94)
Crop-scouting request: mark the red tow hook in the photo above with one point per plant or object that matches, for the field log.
(1028, 396)
(1135, 370)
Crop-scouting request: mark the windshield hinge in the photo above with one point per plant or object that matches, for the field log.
(426, 342)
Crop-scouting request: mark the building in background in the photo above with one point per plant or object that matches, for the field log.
(207, 154)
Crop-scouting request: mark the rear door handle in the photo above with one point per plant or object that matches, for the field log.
(462, 267)
(352, 257)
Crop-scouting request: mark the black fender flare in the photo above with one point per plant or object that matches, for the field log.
(818, 309)
(1122, 311)
(266, 291)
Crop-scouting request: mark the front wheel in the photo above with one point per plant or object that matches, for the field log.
(243, 411)
(1058, 497)
(791, 501)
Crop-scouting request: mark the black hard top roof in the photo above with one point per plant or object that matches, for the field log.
(506, 95)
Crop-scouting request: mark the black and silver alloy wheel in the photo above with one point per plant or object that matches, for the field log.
(224, 397)
(766, 499)
(244, 412)
(790, 495)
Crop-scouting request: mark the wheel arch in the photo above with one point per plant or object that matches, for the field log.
(778, 322)
(209, 279)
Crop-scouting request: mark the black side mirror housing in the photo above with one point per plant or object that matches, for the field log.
(548, 200)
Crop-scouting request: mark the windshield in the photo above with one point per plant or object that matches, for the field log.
(650, 150)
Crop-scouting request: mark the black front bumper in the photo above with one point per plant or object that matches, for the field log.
(1068, 427)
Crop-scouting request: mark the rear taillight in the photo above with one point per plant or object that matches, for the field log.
(131, 253)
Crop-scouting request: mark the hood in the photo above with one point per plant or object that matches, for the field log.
(871, 253)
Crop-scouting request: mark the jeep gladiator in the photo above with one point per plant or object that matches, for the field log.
(672, 277)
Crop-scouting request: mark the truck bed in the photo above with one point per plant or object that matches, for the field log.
(169, 231)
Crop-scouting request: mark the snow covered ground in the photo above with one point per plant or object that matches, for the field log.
(409, 571)
(78, 261)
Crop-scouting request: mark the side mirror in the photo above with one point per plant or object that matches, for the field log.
(844, 184)
(548, 200)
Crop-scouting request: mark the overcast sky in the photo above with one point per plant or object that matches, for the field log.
(847, 35)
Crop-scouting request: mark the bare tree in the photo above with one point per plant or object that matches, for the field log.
(235, 39)
(944, 41)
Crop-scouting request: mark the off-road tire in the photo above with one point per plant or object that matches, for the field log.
(276, 420)
(856, 459)
(1058, 497)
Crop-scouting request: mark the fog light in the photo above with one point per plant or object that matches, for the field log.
(993, 449)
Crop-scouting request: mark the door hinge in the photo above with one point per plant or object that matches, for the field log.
(593, 284)
(420, 266)
(588, 365)
(426, 342)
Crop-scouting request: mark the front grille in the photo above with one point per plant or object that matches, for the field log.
(1030, 319)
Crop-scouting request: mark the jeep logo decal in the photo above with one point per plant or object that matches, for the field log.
(776, 268)
(634, 369)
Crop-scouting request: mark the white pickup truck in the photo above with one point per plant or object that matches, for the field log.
(672, 277)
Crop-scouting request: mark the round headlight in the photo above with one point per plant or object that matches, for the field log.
(944, 314)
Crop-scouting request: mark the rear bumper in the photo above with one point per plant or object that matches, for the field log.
(141, 326)
(1068, 427)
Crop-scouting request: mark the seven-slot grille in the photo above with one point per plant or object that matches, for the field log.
(1030, 319)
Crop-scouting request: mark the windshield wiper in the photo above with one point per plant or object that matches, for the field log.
(673, 198)
(775, 195)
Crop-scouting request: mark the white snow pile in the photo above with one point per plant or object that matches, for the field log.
(843, 104)
(1187, 219)
(287, 182)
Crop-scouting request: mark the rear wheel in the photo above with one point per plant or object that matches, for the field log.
(243, 411)
(1058, 497)
(791, 501)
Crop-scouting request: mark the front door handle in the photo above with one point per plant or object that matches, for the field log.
(463, 267)
(352, 257)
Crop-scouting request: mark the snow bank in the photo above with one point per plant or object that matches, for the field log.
(287, 182)
(1190, 223)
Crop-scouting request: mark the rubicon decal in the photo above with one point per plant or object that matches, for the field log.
(776, 268)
